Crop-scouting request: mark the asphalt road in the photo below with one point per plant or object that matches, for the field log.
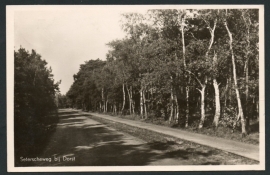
(79, 140)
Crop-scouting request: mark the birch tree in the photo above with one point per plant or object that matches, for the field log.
(240, 114)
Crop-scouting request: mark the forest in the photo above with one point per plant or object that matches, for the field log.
(35, 110)
(188, 67)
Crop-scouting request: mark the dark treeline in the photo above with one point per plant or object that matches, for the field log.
(190, 67)
(62, 101)
(34, 102)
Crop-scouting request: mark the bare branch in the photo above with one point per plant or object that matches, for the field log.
(195, 77)
(193, 36)
(212, 32)
(208, 24)
(198, 89)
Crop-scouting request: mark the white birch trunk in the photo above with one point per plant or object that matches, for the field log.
(130, 100)
(185, 67)
(187, 107)
(172, 106)
(100, 107)
(240, 109)
(202, 107)
(177, 108)
(217, 103)
(246, 70)
(124, 98)
(247, 103)
(103, 100)
(144, 104)
(141, 102)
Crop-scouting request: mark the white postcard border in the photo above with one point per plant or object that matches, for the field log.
(10, 93)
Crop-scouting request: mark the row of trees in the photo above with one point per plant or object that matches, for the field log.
(34, 101)
(178, 64)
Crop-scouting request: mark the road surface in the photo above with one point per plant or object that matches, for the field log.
(79, 140)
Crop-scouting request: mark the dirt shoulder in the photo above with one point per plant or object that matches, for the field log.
(220, 132)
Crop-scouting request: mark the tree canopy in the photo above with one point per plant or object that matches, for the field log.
(177, 64)
(34, 102)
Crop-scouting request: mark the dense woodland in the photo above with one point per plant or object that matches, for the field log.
(184, 66)
(34, 102)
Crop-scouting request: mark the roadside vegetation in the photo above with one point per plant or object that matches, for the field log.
(222, 131)
(35, 110)
(193, 69)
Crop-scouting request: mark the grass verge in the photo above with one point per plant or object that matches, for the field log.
(221, 131)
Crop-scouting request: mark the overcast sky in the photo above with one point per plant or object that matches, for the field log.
(67, 37)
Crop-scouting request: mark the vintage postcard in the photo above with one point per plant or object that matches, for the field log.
(135, 88)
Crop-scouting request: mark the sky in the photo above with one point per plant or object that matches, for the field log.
(67, 37)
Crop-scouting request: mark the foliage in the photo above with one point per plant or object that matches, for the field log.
(151, 60)
(34, 102)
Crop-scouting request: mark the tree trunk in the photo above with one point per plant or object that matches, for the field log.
(230, 87)
(246, 71)
(124, 99)
(133, 106)
(103, 100)
(202, 107)
(187, 108)
(120, 107)
(115, 109)
(247, 96)
(144, 104)
(141, 102)
(106, 105)
(225, 96)
(240, 109)
(100, 107)
(185, 67)
(199, 98)
(130, 100)
(177, 108)
(172, 106)
(183, 41)
(216, 87)
(217, 100)
(217, 103)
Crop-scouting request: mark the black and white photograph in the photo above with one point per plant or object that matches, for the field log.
(135, 88)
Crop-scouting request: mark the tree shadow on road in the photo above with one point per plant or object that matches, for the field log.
(93, 144)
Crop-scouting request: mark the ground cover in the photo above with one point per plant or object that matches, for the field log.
(221, 131)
